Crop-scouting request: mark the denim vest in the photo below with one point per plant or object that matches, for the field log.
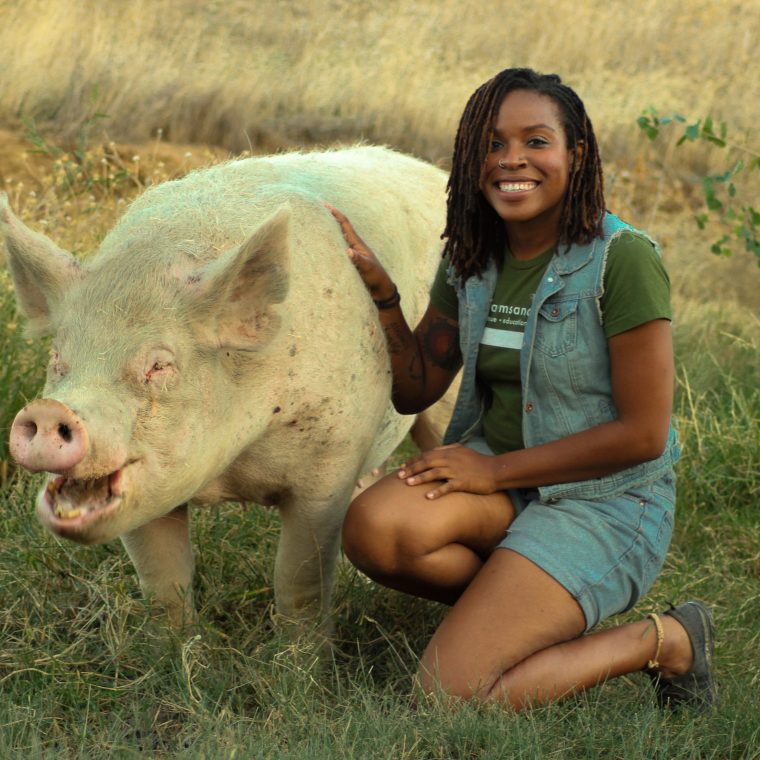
(564, 363)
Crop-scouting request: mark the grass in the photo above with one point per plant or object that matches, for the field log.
(83, 674)
(21, 368)
(84, 671)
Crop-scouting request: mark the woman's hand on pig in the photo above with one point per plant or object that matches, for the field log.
(460, 468)
(371, 271)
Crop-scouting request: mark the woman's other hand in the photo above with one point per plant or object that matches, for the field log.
(460, 468)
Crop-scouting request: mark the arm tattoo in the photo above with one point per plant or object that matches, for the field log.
(395, 337)
(440, 344)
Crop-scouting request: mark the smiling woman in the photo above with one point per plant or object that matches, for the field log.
(551, 507)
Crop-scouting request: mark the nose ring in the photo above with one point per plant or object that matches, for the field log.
(501, 164)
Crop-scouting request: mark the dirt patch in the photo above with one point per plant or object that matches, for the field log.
(22, 162)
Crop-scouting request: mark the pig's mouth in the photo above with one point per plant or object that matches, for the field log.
(75, 502)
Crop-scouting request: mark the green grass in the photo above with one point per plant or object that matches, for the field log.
(21, 366)
(84, 673)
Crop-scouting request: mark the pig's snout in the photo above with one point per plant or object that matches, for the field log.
(48, 436)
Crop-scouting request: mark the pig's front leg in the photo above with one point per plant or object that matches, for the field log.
(305, 562)
(163, 557)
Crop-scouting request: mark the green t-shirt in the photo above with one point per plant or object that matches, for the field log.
(636, 290)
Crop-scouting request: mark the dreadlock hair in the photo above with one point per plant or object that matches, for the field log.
(474, 232)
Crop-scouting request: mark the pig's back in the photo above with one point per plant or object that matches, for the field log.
(396, 202)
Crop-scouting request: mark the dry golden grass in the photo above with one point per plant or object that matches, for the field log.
(274, 74)
(279, 72)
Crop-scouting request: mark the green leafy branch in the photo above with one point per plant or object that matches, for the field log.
(719, 190)
(82, 170)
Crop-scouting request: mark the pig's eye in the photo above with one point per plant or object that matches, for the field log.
(159, 368)
(56, 366)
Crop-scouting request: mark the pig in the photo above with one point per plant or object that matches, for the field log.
(220, 346)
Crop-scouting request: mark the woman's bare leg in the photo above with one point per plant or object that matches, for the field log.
(431, 549)
(513, 636)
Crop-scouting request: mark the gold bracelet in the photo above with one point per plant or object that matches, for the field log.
(654, 663)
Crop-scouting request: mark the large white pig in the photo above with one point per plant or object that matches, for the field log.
(221, 346)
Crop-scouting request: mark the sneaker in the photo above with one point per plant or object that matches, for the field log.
(697, 687)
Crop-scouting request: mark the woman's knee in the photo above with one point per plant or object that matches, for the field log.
(383, 534)
(370, 533)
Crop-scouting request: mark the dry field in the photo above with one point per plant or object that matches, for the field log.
(282, 73)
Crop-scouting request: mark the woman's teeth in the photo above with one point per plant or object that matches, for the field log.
(515, 187)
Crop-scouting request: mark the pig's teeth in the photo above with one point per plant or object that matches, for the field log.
(54, 485)
(68, 514)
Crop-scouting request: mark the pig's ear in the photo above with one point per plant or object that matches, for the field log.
(41, 271)
(235, 294)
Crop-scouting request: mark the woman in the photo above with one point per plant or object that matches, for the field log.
(551, 507)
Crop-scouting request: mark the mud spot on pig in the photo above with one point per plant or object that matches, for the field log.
(293, 350)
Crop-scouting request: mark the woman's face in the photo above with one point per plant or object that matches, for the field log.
(526, 171)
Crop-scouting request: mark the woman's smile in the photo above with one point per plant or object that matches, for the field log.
(511, 187)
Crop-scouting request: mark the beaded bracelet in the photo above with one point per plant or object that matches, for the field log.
(391, 301)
